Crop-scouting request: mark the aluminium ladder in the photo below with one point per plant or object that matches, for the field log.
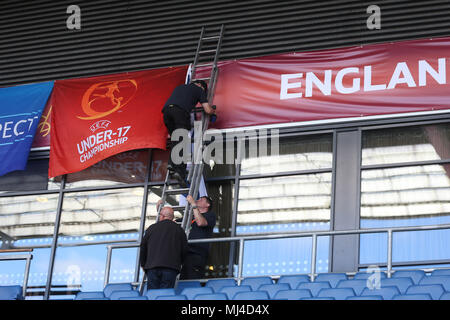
(202, 59)
(196, 169)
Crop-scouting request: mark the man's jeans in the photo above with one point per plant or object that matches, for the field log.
(160, 278)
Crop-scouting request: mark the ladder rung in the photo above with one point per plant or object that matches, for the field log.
(177, 191)
(201, 79)
(211, 38)
(204, 64)
(178, 208)
(208, 51)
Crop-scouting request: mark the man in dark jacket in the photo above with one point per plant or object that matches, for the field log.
(177, 115)
(163, 250)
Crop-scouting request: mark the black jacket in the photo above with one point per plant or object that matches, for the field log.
(164, 245)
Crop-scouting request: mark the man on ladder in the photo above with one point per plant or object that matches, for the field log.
(177, 115)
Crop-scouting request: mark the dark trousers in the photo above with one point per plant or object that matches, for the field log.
(193, 267)
(176, 118)
(160, 278)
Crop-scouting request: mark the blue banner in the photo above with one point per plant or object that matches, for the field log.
(20, 111)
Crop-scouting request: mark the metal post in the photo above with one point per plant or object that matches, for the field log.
(55, 239)
(313, 257)
(241, 260)
(26, 275)
(389, 257)
(108, 266)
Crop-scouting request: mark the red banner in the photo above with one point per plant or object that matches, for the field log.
(376, 79)
(95, 118)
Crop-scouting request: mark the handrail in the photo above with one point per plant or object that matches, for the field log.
(313, 234)
(26, 257)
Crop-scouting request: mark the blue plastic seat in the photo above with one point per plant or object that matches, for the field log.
(116, 295)
(211, 296)
(293, 294)
(134, 298)
(365, 275)
(90, 295)
(11, 293)
(217, 284)
(331, 278)
(319, 298)
(256, 282)
(314, 287)
(187, 284)
(251, 295)
(358, 285)
(423, 296)
(386, 292)
(441, 272)
(190, 293)
(365, 298)
(445, 296)
(294, 280)
(401, 283)
(415, 275)
(232, 290)
(174, 297)
(337, 293)
(442, 280)
(272, 289)
(111, 287)
(152, 294)
(97, 298)
(434, 290)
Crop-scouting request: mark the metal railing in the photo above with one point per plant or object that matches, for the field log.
(314, 235)
(17, 256)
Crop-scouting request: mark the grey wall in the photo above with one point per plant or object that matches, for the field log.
(119, 35)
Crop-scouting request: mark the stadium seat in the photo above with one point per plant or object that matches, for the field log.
(111, 287)
(211, 296)
(434, 290)
(415, 275)
(11, 293)
(386, 292)
(423, 296)
(294, 280)
(187, 284)
(401, 283)
(217, 284)
(443, 280)
(251, 295)
(357, 285)
(97, 298)
(365, 298)
(152, 294)
(256, 282)
(445, 296)
(337, 293)
(272, 289)
(90, 295)
(314, 287)
(231, 291)
(441, 272)
(293, 294)
(190, 293)
(331, 278)
(174, 297)
(365, 275)
(134, 298)
(319, 298)
(116, 295)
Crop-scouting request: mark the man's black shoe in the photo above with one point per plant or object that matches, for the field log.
(181, 180)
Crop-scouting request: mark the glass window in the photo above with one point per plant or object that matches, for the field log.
(295, 154)
(107, 215)
(405, 144)
(281, 204)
